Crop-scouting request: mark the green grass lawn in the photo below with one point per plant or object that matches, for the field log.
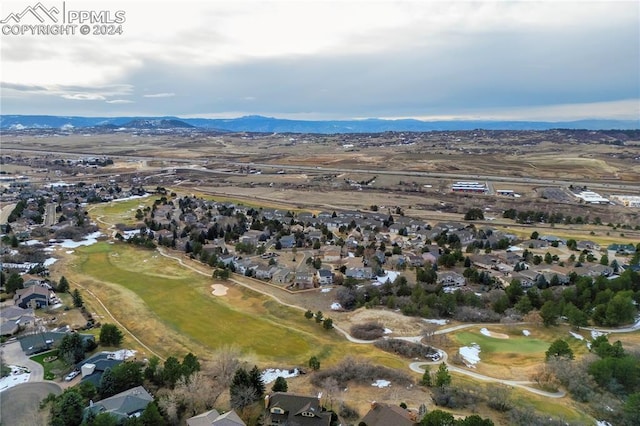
(53, 368)
(182, 300)
(526, 345)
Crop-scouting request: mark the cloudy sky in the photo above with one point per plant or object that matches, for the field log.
(546, 60)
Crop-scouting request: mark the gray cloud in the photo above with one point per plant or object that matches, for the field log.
(435, 66)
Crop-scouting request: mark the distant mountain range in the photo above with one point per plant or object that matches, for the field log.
(255, 123)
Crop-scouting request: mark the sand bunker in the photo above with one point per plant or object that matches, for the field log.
(219, 290)
(493, 334)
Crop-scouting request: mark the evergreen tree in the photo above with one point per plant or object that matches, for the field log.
(443, 378)
(107, 385)
(63, 285)
(280, 385)
(77, 298)
(314, 363)
(172, 371)
(67, 409)
(426, 377)
(190, 365)
(257, 382)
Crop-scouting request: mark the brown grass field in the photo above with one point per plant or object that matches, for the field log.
(170, 309)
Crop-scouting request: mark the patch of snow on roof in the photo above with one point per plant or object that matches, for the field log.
(123, 354)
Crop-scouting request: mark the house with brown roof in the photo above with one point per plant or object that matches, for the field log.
(288, 409)
(386, 415)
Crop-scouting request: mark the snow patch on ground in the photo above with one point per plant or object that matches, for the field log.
(271, 374)
(49, 261)
(69, 251)
(381, 383)
(595, 334)
(602, 423)
(388, 275)
(576, 335)
(133, 197)
(485, 332)
(388, 331)
(526, 332)
(18, 376)
(87, 241)
(470, 354)
(436, 321)
(325, 290)
(335, 306)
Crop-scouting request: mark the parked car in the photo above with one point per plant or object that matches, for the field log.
(69, 377)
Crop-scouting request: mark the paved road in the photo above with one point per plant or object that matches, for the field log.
(19, 404)
(12, 354)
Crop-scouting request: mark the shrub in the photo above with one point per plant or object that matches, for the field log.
(404, 348)
(368, 331)
(362, 372)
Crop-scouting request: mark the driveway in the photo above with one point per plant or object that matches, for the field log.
(12, 354)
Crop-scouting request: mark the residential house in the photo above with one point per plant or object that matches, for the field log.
(282, 276)
(93, 367)
(387, 414)
(359, 273)
(534, 244)
(332, 254)
(325, 276)
(303, 280)
(33, 296)
(527, 277)
(40, 342)
(213, 418)
(587, 245)
(450, 279)
(624, 249)
(14, 317)
(595, 270)
(415, 260)
(265, 272)
(552, 239)
(288, 241)
(287, 409)
(127, 404)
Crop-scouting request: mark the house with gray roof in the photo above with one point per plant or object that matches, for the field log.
(127, 404)
(14, 317)
(213, 418)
